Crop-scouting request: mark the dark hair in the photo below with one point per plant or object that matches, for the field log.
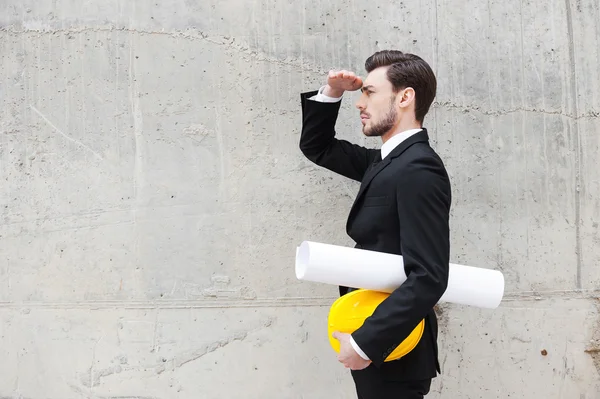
(407, 70)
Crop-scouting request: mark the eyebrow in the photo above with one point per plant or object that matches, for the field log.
(367, 87)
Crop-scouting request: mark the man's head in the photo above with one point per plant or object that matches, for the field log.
(396, 93)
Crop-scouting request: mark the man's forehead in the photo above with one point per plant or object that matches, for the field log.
(376, 79)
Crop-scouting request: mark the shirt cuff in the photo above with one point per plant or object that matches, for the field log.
(357, 349)
(320, 97)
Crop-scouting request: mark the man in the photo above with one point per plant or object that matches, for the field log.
(402, 207)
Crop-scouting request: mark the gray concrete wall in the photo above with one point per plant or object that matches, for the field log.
(152, 193)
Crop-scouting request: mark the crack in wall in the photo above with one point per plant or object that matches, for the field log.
(228, 42)
(178, 361)
(260, 302)
(231, 43)
(93, 378)
(498, 112)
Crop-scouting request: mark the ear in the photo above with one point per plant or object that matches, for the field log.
(406, 97)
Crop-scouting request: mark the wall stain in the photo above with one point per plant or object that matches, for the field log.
(594, 347)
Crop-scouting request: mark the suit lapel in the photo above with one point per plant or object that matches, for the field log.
(377, 167)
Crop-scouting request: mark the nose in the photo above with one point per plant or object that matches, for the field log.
(360, 105)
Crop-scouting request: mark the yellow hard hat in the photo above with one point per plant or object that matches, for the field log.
(348, 313)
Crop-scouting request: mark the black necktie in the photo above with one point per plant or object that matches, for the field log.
(377, 158)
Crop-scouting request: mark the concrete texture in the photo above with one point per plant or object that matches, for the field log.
(153, 193)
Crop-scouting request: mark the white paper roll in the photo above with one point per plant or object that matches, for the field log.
(359, 268)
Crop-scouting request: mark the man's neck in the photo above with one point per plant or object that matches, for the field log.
(401, 127)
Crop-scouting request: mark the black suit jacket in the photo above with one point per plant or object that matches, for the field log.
(402, 207)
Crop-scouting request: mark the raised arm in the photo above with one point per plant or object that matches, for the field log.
(317, 140)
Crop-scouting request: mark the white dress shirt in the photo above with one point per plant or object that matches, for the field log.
(386, 148)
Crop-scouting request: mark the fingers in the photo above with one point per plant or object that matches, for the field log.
(343, 74)
(339, 335)
(336, 74)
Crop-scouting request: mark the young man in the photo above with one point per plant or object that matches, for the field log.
(402, 207)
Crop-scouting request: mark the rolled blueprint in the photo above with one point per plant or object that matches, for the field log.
(360, 268)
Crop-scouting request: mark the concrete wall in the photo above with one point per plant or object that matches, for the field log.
(152, 193)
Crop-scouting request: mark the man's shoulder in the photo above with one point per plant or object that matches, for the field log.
(419, 153)
(421, 163)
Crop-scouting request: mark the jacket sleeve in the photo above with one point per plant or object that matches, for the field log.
(319, 145)
(423, 202)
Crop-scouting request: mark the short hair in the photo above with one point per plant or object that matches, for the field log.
(407, 70)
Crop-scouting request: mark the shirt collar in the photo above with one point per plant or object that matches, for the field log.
(394, 141)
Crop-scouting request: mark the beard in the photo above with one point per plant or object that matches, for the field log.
(385, 124)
